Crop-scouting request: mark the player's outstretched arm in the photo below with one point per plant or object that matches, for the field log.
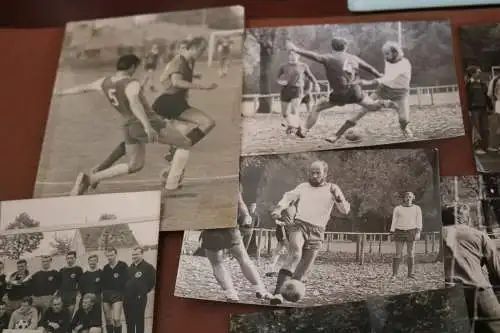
(340, 201)
(311, 55)
(82, 88)
(133, 91)
(369, 68)
(179, 82)
(287, 199)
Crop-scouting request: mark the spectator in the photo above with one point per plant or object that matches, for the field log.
(56, 319)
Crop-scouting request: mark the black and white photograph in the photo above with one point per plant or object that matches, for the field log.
(480, 51)
(322, 227)
(333, 86)
(470, 234)
(150, 102)
(79, 264)
(437, 311)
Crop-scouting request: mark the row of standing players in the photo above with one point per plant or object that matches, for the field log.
(51, 296)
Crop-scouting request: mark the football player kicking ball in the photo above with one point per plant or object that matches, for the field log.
(215, 241)
(394, 85)
(291, 77)
(342, 72)
(315, 201)
(140, 124)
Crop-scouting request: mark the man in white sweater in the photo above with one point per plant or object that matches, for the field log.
(406, 228)
(315, 201)
(393, 86)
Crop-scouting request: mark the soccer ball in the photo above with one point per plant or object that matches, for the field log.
(21, 324)
(293, 290)
(353, 135)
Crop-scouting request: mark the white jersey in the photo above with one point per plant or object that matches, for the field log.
(315, 203)
(406, 218)
(397, 75)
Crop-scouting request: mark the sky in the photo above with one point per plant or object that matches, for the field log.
(87, 209)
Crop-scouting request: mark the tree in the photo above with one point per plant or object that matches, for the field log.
(14, 246)
(106, 234)
(266, 41)
(62, 245)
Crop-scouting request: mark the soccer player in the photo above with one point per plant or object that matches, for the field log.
(466, 252)
(90, 282)
(315, 201)
(17, 288)
(224, 51)
(44, 284)
(26, 313)
(215, 241)
(406, 227)
(342, 73)
(140, 124)
(88, 317)
(291, 77)
(114, 279)
(56, 319)
(150, 65)
(394, 86)
(70, 278)
(140, 282)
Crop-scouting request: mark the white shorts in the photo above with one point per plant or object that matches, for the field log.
(392, 94)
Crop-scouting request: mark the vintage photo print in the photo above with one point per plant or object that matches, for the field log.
(437, 311)
(480, 51)
(322, 227)
(471, 212)
(150, 102)
(79, 264)
(331, 86)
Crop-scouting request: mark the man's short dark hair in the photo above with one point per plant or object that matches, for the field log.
(471, 70)
(448, 216)
(138, 248)
(22, 261)
(339, 44)
(111, 249)
(93, 256)
(71, 253)
(127, 61)
(195, 42)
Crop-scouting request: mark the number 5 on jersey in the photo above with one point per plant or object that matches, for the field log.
(112, 97)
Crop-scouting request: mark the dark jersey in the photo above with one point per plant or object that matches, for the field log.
(141, 279)
(115, 92)
(115, 278)
(20, 289)
(3, 285)
(62, 319)
(93, 318)
(4, 321)
(70, 277)
(293, 74)
(45, 283)
(90, 282)
(179, 65)
(477, 94)
(342, 70)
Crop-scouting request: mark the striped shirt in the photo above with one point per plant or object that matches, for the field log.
(397, 75)
(406, 218)
(315, 203)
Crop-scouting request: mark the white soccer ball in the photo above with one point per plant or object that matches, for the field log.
(249, 107)
(21, 324)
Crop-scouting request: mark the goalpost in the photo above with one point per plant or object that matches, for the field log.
(212, 41)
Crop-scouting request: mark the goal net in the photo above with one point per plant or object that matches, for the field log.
(216, 36)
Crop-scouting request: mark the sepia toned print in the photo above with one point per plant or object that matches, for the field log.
(333, 86)
(150, 102)
(322, 228)
(79, 264)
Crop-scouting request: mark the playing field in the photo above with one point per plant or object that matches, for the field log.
(83, 129)
(439, 118)
(332, 280)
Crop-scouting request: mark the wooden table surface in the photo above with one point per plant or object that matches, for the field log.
(28, 63)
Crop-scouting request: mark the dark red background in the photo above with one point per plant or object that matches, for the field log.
(28, 62)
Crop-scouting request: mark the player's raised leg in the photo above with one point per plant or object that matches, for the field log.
(313, 116)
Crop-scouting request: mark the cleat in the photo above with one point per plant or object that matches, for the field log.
(82, 184)
(407, 133)
(333, 139)
(301, 133)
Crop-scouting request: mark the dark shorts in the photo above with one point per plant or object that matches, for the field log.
(313, 235)
(220, 239)
(111, 296)
(351, 95)
(282, 233)
(69, 298)
(288, 93)
(405, 235)
(170, 106)
(133, 132)
(392, 94)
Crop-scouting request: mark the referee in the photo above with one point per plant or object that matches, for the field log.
(141, 280)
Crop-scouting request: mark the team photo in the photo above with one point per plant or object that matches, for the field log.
(79, 264)
(471, 212)
(438, 311)
(150, 102)
(479, 52)
(321, 228)
(322, 87)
